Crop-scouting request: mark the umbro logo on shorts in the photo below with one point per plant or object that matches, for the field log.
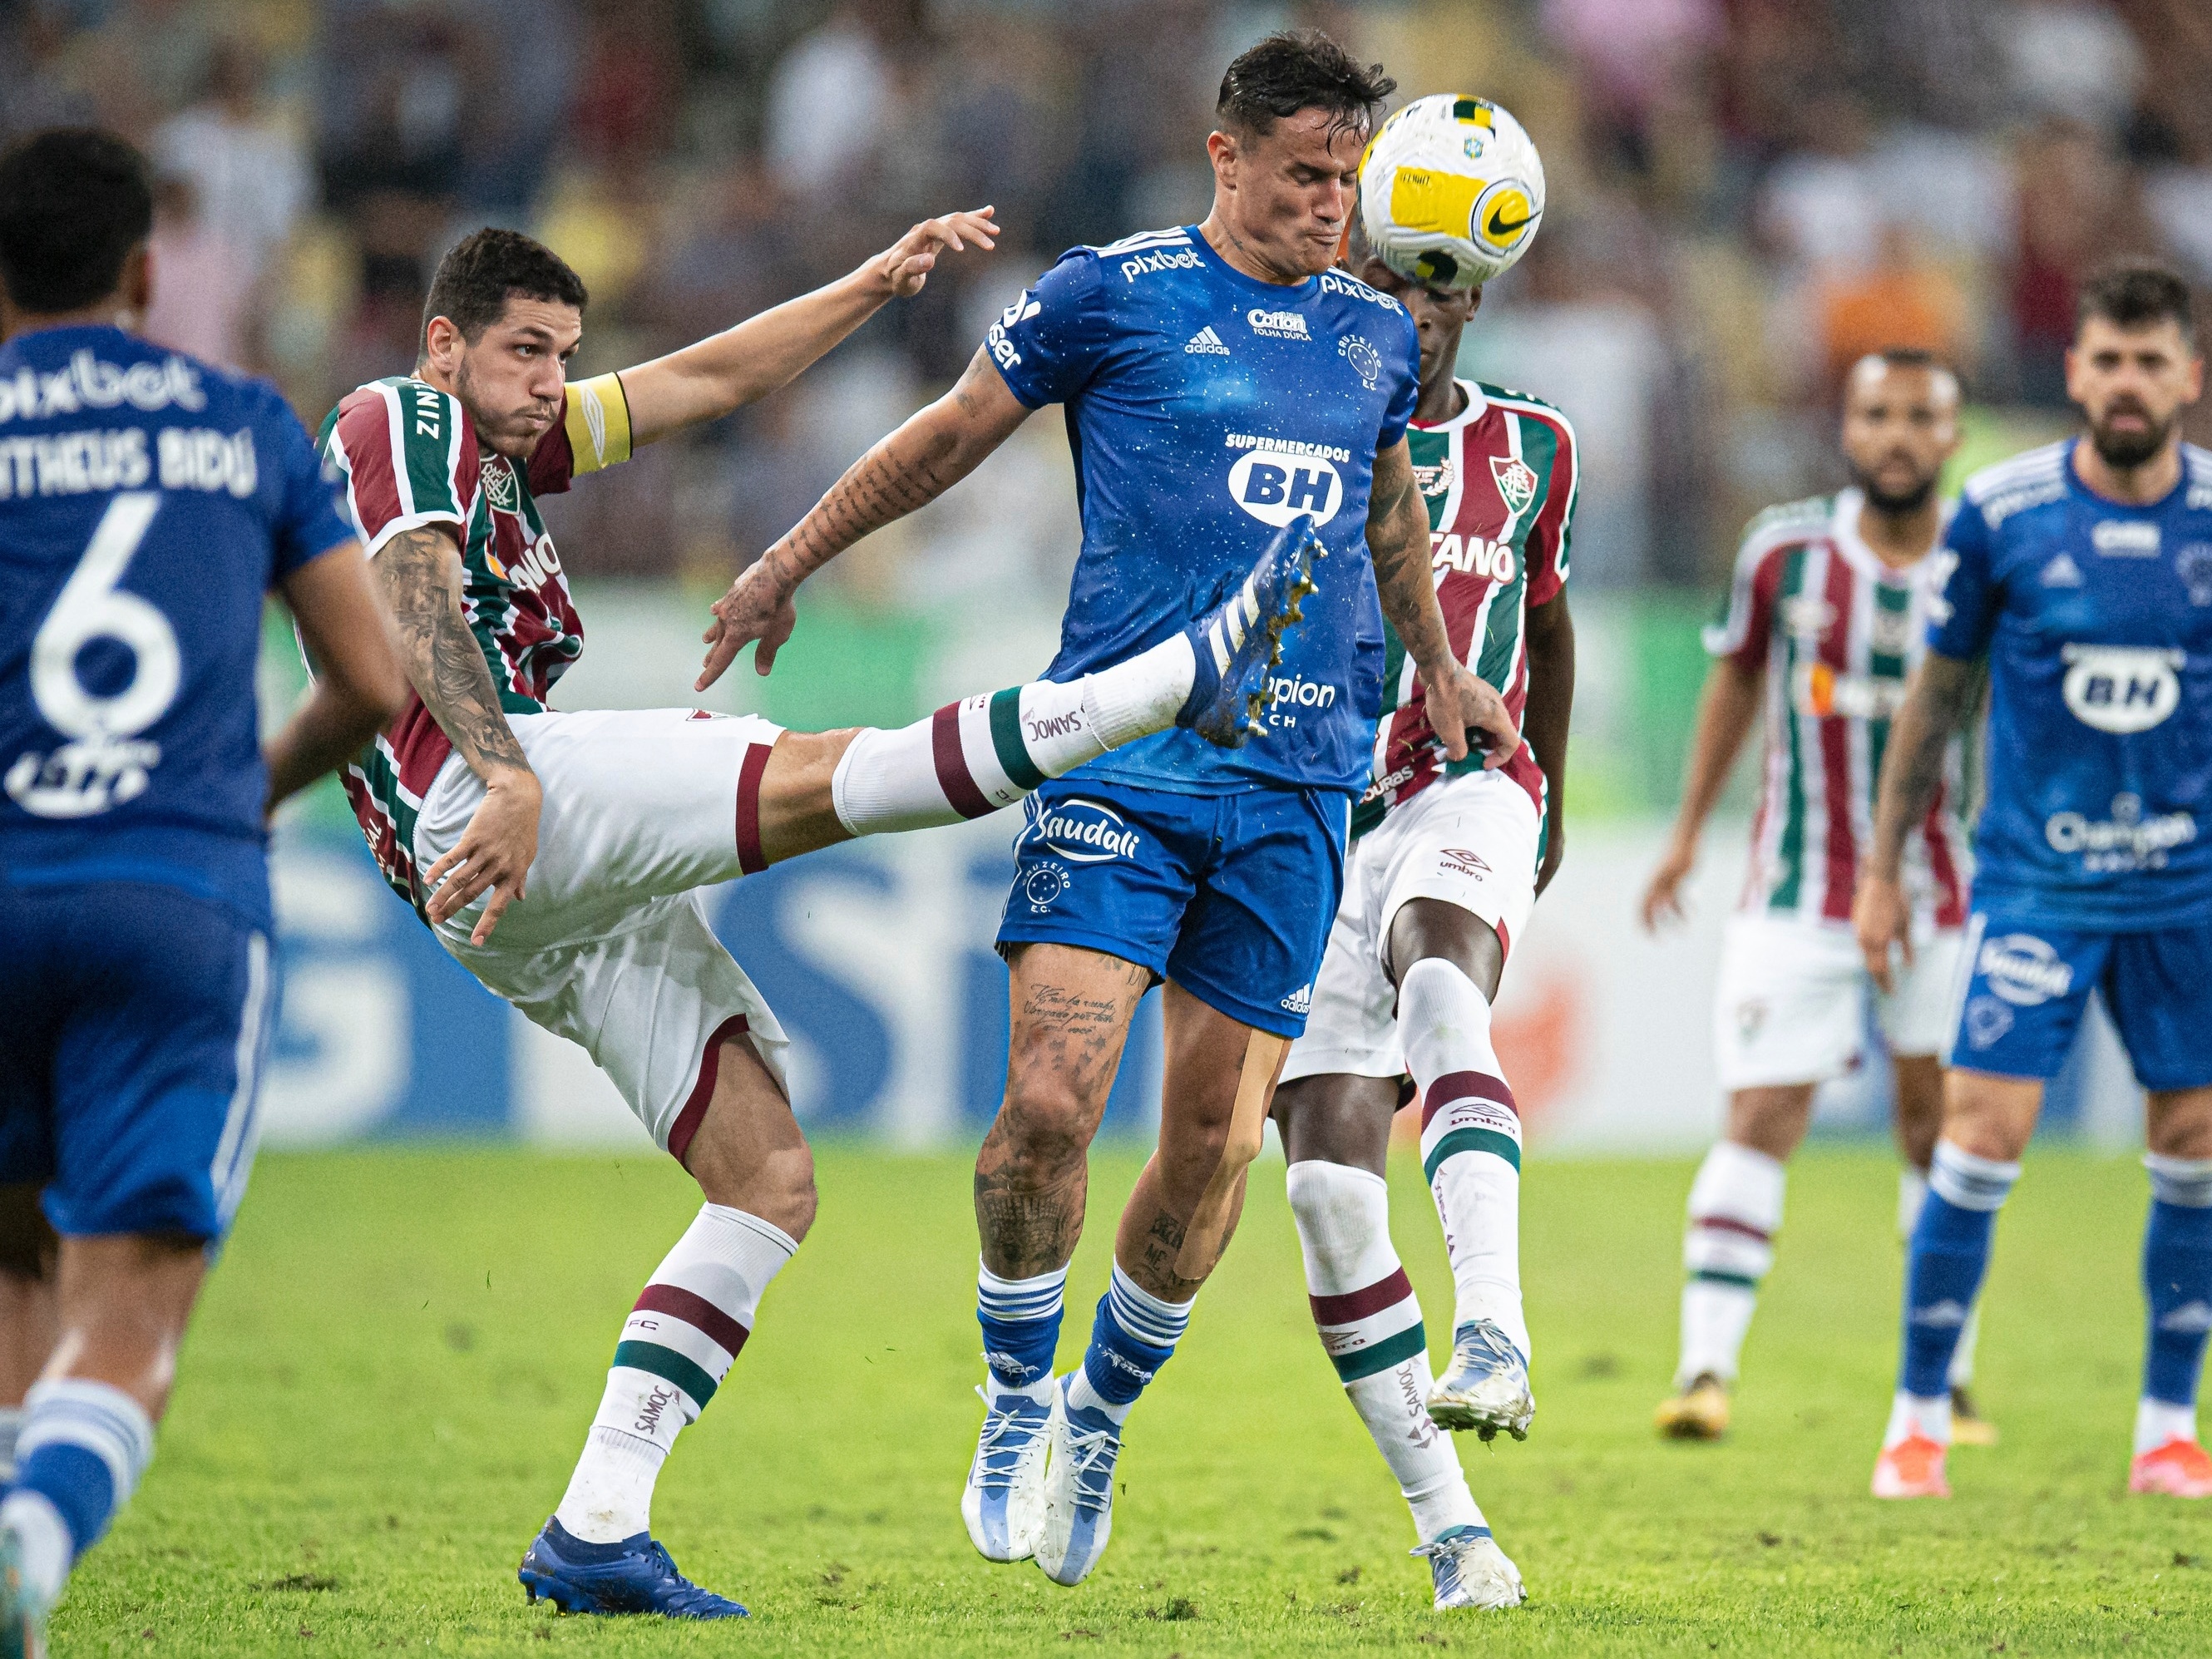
(1207, 342)
(1462, 862)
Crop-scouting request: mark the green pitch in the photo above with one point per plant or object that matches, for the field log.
(399, 1357)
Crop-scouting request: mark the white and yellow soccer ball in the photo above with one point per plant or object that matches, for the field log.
(1451, 191)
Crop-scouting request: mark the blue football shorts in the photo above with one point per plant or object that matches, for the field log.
(2025, 985)
(134, 1020)
(1230, 896)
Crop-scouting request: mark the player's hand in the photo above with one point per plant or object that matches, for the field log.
(1881, 918)
(1464, 709)
(757, 610)
(1555, 855)
(493, 855)
(1662, 896)
(905, 266)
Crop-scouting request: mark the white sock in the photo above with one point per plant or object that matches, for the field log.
(1909, 1415)
(677, 1346)
(1369, 1323)
(2158, 1421)
(1470, 1142)
(1736, 1209)
(981, 753)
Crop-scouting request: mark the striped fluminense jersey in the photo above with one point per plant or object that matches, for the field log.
(1500, 479)
(1835, 631)
(409, 456)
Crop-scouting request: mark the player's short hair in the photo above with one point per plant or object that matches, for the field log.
(1296, 70)
(2136, 295)
(486, 268)
(74, 202)
(1920, 357)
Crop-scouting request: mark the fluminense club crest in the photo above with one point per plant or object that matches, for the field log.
(499, 485)
(1516, 483)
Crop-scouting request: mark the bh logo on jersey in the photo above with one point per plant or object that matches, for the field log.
(1084, 832)
(1274, 485)
(2121, 688)
(2024, 969)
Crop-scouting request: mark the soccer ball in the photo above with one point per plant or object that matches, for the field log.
(1452, 191)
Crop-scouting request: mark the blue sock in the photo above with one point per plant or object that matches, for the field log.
(1020, 1319)
(83, 1446)
(2177, 1268)
(1133, 1334)
(1950, 1251)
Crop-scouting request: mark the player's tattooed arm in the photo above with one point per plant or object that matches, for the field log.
(911, 468)
(1941, 697)
(419, 574)
(1462, 706)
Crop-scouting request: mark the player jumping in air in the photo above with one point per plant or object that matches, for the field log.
(587, 915)
(1823, 621)
(1446, 862)
(2080, 575)
(1214, 377)
(147, 503)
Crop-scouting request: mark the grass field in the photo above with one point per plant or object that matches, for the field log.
(396, 1363)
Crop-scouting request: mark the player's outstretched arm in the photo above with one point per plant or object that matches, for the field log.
(932, 452)
(358, 684)
(419, 573)
(1461, 705)
(1727, 710)
(726, 371)
(1551, 701)
(1937, 702)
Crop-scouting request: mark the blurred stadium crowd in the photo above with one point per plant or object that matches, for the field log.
(1744, 195)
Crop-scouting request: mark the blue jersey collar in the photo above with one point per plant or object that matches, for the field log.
(1304, 290)
(2079, 485)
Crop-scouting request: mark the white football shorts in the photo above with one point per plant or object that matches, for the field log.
(610, 947)
(1789, 1006)
(1470, 841)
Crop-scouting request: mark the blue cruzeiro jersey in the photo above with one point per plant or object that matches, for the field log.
(1206, 410)
(2097, 619)
(147, 503)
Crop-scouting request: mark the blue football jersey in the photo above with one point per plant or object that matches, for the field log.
(147, 503)
(1206, 410)
(2096, 621)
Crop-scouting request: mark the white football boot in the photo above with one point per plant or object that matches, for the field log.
(1079, 1488)
(1470, 1570)
(1486, 1387)
(1004, 1502)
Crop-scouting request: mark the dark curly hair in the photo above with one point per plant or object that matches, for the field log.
(1297, 70)
(487, 268)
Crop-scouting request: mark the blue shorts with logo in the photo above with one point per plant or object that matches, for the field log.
(133, 1022)
(2029, 982)
(1230, 896)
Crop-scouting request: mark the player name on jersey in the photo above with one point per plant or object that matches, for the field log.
(1499, 481)
(1836, 631)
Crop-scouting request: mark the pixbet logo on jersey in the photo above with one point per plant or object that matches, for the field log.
(2024, 969)
(1146, 265)
(1085, 832)
(2121, 688)
(1276, 479)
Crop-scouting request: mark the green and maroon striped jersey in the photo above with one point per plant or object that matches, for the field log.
(1835, 631)
(1500, 479)
(409, 456)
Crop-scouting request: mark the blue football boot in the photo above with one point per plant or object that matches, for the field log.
(1079, 1488)
(635, 1575)
(1237, 641)
(1469, 1570)
(1486, 1387)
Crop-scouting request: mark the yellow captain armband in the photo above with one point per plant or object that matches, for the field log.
(598, 423)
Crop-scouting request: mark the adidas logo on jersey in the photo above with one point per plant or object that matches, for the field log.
(2062, 572)
(1299, 1001)
(1207, 342)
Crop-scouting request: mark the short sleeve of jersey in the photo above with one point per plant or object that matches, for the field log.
(1408, 393)
(1048, 342)
(1548, 537)
(1746, 621)
(308, 523)
(1965, 597)
(409, 459)
(593, 433)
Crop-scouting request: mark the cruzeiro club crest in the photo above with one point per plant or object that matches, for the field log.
(1516, 483)
(1367, 361)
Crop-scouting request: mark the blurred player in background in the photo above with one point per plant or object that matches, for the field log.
(1213, 377)
(1824, 620)
(147, 502)
(587, 915)
(1447, 859)
(2079, 577)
